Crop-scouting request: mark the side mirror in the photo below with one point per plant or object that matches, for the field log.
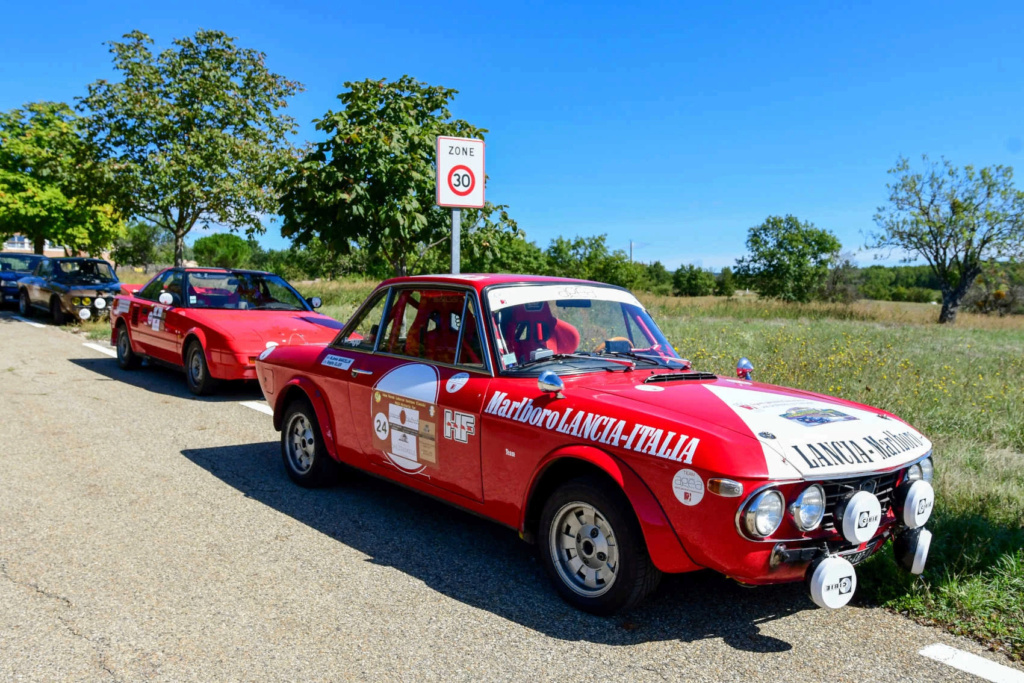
(551, 383)
(315, 302)
(165, 298)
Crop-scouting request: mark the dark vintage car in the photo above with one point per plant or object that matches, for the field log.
(13, 267)
(82, 288)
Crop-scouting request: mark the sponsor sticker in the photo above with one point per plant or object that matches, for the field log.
(812, 417)
(123, 305)
(456, 382)
(339, 362)
(580, 424)
(688, 487)
(459, 426)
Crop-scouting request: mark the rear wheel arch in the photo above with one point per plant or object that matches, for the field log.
(561, 467)
(302, 389)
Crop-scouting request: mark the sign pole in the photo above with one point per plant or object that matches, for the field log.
(456, 235)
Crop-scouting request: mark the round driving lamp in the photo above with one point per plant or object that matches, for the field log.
(76, 301)
(927, 469)
(101, 304)
(808, 509)
(86, 301)
(764, 513)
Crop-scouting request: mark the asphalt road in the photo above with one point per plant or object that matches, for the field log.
(147, 534)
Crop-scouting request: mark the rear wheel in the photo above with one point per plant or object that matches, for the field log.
(593, 548)
(197, 371)
(302, 448)
(24, 305)
(57, 312)
(126, 358)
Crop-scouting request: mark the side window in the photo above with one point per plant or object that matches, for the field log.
(44, 269)
(153, 289)
(425, 324)
(471, 350)
(172, 285)
(363, 333)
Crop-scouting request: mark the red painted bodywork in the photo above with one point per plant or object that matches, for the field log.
(231, 339)
(495, 474)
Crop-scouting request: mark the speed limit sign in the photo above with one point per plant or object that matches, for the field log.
(460, 172)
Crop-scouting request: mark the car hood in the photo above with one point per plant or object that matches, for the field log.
(106, 289)
(802, 435)
(258, 328)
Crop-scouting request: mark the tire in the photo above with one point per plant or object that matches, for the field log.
(593, 549)
(24, 305)
(302, 448)
(126, 358)
(56, 312)
(197, 371)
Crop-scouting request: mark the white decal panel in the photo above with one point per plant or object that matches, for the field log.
(820, 439)
(404, 413)
(504, 297)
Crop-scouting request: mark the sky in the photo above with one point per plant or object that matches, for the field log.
(677, 126)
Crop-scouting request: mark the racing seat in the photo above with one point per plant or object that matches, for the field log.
(432, 335)
(526, 330)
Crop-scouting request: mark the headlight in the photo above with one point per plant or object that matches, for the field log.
(927, 469)
(808, 508)
(915, 472)
(75, 301)
(764, 513)
(101, 304)
(86, 301)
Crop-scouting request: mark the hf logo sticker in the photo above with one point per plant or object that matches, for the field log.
(459, 426)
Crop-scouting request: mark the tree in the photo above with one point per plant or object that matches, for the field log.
(789, 259)
(372, 178)
(658, 279)
(222, 250)
(53, 185)
(725, 283)
(194, 132)
(955, 219)
(691, 280)
(138, 245)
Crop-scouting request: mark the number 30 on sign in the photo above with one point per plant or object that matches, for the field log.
(460, 172)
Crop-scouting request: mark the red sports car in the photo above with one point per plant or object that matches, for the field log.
(558, 408)
(213, 322)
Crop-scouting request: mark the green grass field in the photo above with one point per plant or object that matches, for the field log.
(961, 385)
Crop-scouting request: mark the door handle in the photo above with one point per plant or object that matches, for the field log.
(356, 372)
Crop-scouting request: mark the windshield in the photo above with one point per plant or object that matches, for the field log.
(531, 322)
(242, 291)
(22, 262)
(84, 271)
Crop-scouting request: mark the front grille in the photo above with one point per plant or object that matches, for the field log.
(882, 486)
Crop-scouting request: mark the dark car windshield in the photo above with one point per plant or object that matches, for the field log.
(242, 291)
(23, 262)
(83, 271)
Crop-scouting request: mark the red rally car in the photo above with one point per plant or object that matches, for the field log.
(213, 322)
(558, 408)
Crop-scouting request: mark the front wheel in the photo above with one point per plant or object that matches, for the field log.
(57, 312)
(24, 305)
(126, 358)
(302, 448)
(593, 548)
(197, 371)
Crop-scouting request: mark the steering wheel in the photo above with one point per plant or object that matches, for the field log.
(600, 347)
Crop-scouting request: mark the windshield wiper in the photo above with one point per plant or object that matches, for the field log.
(563, 356)
(630, 354)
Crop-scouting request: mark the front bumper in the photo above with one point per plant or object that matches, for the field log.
(232, 365)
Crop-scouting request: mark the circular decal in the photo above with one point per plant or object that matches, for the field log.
(648, 387)
(688, 487)
(833, 582)
(380, 426)
(861, 517)
(917, 506)
(376, 397)
(456, 382)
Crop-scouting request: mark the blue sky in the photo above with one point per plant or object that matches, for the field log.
(678, 126)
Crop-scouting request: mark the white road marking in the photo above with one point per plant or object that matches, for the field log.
(973, 664)
(256, 405)
(106, 350)
(26, 321)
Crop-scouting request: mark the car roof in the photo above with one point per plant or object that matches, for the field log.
(211, 269)
(479, 281)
